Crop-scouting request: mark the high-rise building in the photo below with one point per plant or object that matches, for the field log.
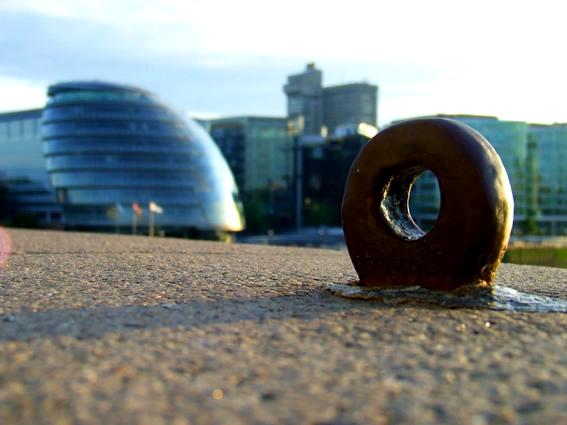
(28, 199)
(304, 98)
(109, 151)
(329, 108)
(549, 143)
(349, 104)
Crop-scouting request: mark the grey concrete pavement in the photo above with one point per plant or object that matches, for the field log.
(130, 330)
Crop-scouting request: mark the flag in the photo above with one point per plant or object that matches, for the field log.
(112, 212)
(137, 208)
(155, 208)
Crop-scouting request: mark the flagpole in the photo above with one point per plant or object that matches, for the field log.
(116, 230)
(134, 223)
(153, 209)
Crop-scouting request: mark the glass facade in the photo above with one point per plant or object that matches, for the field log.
(535, 158)
(549, 143)
(260, 153)
(27, 197)
(108, 146)
(510, 140)
(258, 149)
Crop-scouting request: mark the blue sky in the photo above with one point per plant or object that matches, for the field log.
(215, 58)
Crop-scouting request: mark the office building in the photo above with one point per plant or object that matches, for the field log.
(27, 199)
(510, 140)
(304, 98)
(535, 158)
(259, 151)
(324, 110)
(108, 147)
(348, 105)
(549, 145)
(324, 173)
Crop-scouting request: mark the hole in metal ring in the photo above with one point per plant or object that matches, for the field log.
(395, 195)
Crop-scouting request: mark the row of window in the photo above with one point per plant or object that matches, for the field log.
(117, 161)
(19, 129)
(137, 178)
(98, 96)
(103, 127)
(161, 196)
(75, 114)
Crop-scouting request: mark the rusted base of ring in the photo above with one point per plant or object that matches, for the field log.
(399, 294)
(354, 290)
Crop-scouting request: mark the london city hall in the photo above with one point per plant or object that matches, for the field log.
(111, 148)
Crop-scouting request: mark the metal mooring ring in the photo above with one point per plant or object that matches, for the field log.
(469, 238)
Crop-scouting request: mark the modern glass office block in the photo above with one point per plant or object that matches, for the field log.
(109, 147)
(550, 182)
(26, 197)
(258, 149)
(510, 140)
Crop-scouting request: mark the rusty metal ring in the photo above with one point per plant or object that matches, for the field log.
(469, 238)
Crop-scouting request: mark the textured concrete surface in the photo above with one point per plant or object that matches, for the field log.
(130, 330)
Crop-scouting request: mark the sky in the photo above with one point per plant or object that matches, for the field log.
(220, 58)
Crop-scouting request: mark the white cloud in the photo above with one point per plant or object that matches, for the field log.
(501, 57)
(21, 94)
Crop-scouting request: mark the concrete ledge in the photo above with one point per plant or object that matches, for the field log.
(129, 330)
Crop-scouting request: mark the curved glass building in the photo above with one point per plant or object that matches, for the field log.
(111, 148)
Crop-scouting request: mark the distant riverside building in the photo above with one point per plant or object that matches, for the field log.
(535, 158)
(304, 98)
(259, 151)
(28, 198)
(107, 147)
(349, 104)
(329, 107)
(549, 145)
(325, 169)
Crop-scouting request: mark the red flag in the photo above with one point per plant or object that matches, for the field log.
(136, 208)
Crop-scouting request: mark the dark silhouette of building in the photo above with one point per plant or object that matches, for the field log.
(325, 169)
